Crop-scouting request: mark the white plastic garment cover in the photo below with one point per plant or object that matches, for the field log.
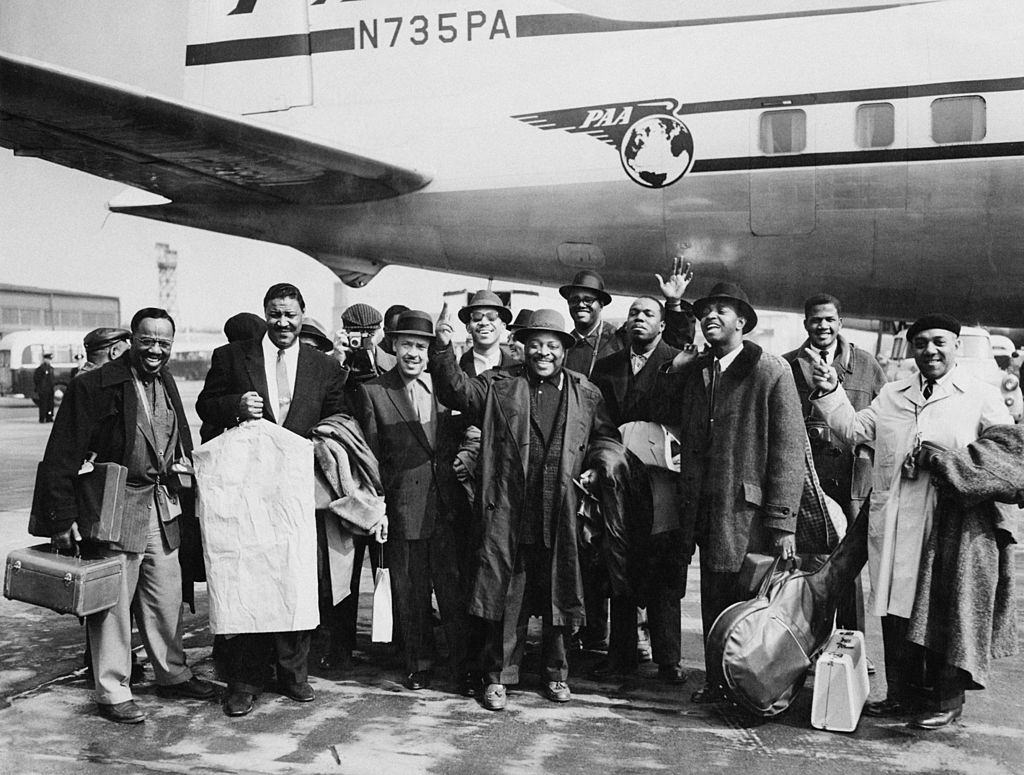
(256, 509)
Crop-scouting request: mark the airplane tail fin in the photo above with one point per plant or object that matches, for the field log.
(248, 56)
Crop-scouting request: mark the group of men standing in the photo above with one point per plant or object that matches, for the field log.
(491, 467)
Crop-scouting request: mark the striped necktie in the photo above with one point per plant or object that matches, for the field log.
(929, 386)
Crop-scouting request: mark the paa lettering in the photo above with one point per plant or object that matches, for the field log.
(607, 117)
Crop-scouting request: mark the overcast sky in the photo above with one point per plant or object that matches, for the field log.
(55, 230)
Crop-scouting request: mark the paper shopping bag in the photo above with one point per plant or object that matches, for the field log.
(380, 631)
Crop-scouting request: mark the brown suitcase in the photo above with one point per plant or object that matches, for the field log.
(64, 583)
(100, 491)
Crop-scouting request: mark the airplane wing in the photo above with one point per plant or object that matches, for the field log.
(179, 151)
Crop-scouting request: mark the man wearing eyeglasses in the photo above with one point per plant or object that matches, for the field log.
(129, 412)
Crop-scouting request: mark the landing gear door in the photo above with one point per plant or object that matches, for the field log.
(782, 173)
(248, 56)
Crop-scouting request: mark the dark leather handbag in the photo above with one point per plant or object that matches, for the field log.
(760, 650)
(100, 492)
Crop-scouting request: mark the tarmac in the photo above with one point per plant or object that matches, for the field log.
(367, 722)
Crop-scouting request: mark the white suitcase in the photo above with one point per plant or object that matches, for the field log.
(840, 683)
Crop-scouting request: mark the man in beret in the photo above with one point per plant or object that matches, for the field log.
(742, 453)
(537, 422)
(103, 345)
(941, 407)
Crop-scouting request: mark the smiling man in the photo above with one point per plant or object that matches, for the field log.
(742, 451)
(941, 407)
(415, 439)
(129, 412)
(280, 380)
(844, 470)
(536, 423)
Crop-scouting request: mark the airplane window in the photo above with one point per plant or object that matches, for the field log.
(958, 119)
(783, 131)
(876, 125)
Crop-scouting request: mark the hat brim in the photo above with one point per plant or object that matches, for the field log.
(322, 342)
(503, 312)
(410, 332)
(602, 296)
(744, 309)
(523, 334)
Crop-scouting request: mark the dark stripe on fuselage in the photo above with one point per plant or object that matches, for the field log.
(541, 24)
(874, 156)
(527, 26)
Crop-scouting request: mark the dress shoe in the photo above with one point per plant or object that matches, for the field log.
(192, 689)
(557, 691)
(336, 662)
(709, 693)
(937, 719)
(301, 692)
(239, 703)
(494, 697)
(418, 680)
(887, 708)
(671, 674)
(471, 685)
(122, 712)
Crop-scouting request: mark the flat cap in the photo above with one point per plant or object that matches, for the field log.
(244, 325)
(938, 320)
(99, 338)
(361, 316)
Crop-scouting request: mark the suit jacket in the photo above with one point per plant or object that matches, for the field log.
(679, 328)
(747, 475)
(499, 403)
(237, 368)
(627, 395)
(419, 485)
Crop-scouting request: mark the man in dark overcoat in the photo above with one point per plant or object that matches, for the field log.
(103, 413)
(43, 381)
(415, 439)
(536, 423)
(275, 378)
(627, 379)
(741, 454)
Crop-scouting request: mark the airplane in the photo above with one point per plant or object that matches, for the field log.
(867, 148)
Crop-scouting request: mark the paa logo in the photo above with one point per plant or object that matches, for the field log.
(655, 147)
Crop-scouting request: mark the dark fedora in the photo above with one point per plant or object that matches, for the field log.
(521, 320)
(587, 281)
(486, 300)
(546, 321)
(413, 322)
(730, 292)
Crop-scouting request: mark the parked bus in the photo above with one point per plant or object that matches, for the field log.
(22, 351)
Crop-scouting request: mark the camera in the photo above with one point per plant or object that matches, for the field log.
(360, 340)
(820, 435)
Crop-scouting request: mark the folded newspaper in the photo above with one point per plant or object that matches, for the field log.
(255, 505)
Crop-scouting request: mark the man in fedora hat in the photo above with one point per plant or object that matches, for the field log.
(742, 451)
(485, 318)
(537, 421)
(594, 338)
(414, 438)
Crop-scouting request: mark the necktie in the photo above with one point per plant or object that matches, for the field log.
(824, 356)
(929, 386)
(716, 376)
(284, 388)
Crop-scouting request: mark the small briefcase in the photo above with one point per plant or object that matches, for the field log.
(63, 583)
(100, 493)
(840, 683)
